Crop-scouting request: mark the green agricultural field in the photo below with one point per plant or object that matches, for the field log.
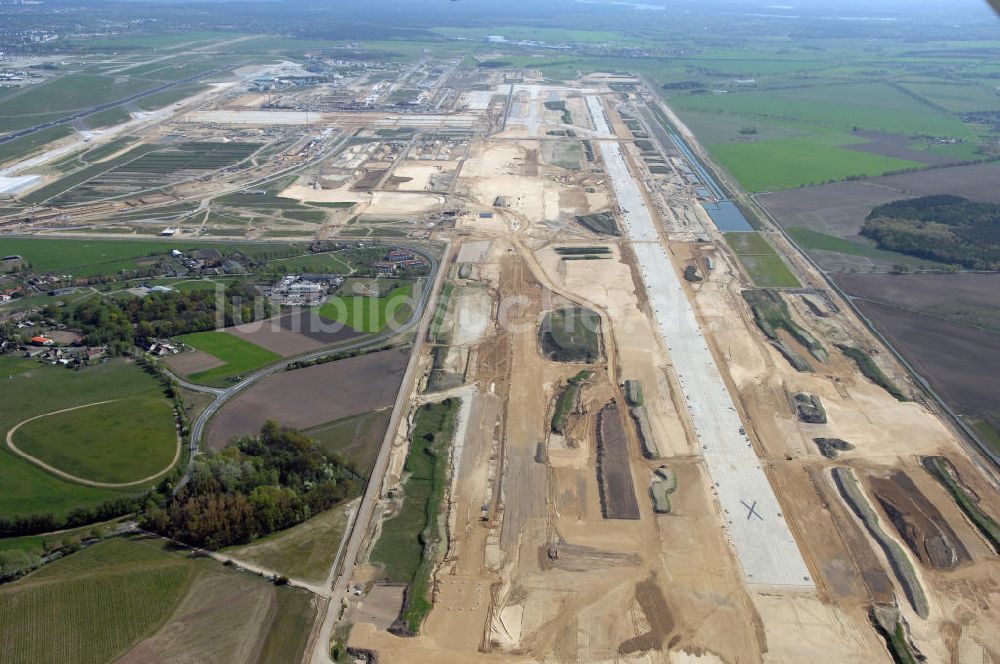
(793, 162)
(370, 314)
(92, 605)
(240, 356)
(28, 388)
(116, 442)
(408, 544)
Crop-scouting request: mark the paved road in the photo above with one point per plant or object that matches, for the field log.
(224, 395)
(358, 528)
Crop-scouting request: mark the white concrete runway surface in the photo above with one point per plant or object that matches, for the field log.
(765, 546)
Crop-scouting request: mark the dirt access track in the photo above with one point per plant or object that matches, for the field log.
(307, 397)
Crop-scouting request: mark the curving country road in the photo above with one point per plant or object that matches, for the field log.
(224, 395)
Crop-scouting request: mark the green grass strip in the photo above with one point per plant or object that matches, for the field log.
(410, 541)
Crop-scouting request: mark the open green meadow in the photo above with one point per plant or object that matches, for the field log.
(91, 606)
(808, 238)
(240, 356)
(67, 93)
(370, 314)
(356, 438)
(765, 266)
(28, 388)
(25, 146)
(305, 551)
(121, 441)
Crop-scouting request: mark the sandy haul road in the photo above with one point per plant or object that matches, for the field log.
(546, 577)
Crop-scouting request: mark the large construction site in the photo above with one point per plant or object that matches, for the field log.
(652, 460)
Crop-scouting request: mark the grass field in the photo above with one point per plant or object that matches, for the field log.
(814, 240)
(107, 118)
(28, 389)
(357, 438)
(370, 314)
(288, 633)
(155, 41)
(316, 263)
(67, 93)
(240, 356)
(168, 97)
(116, 442)
(91, 606)
(305, 551)
(22, 147)
(958, 98)
(408, 544)
(765, 266)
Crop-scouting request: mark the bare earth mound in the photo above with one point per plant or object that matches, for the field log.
(617, 490)
(918, 522)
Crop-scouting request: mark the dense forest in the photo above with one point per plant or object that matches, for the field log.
(123, 322)
(255, 486)
(944, 228)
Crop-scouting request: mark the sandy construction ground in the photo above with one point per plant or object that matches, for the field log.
(533, 571)
(305, 193)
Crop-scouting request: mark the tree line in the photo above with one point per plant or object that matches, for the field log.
(943, 228)
(121, 323)
(255, 486)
